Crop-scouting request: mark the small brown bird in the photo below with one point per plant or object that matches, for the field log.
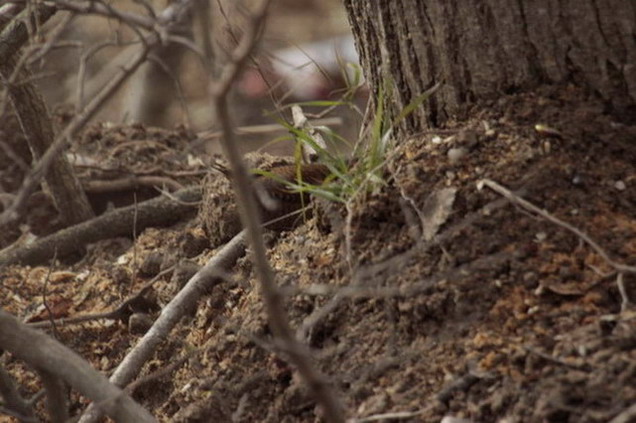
(277, 200)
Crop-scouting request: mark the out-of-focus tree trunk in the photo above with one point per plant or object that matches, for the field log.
(480, 49)
(34, 118)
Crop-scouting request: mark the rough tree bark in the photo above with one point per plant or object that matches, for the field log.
(481, 49)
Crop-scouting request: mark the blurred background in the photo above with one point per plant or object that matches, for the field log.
(306, 55)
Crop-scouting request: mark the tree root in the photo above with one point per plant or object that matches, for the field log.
(158, 211)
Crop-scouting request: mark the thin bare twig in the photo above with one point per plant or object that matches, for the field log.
(299, 355)
(52, 38)
(620, 267)
(397, 415)
(556, 360)
(115, 314)
(625, 300)
(131, 183)
(81, 72)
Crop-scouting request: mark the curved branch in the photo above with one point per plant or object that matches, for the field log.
(40, 351)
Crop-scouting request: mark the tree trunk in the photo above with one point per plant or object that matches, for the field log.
(480, 49)
(34, 118)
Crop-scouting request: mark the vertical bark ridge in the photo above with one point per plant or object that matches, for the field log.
(482, 49)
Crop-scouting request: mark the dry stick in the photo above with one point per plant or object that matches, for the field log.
(273, 300)
(130, 183)
(12, 399)
(42, 352)
(531, 207)
(204, 280)
(155, 212)
(619, 267)
(133, 278)
(551, 359)
(116, 314)
(397, 415)
(43, 165)
(625, 300)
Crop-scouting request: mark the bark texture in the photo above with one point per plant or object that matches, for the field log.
(482, 48)
(34, 118)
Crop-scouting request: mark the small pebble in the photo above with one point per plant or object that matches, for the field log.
(456, 154)
(620, 185)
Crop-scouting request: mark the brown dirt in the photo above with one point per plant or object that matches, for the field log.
(502, 316)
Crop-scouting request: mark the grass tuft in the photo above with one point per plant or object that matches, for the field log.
(363, 172)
